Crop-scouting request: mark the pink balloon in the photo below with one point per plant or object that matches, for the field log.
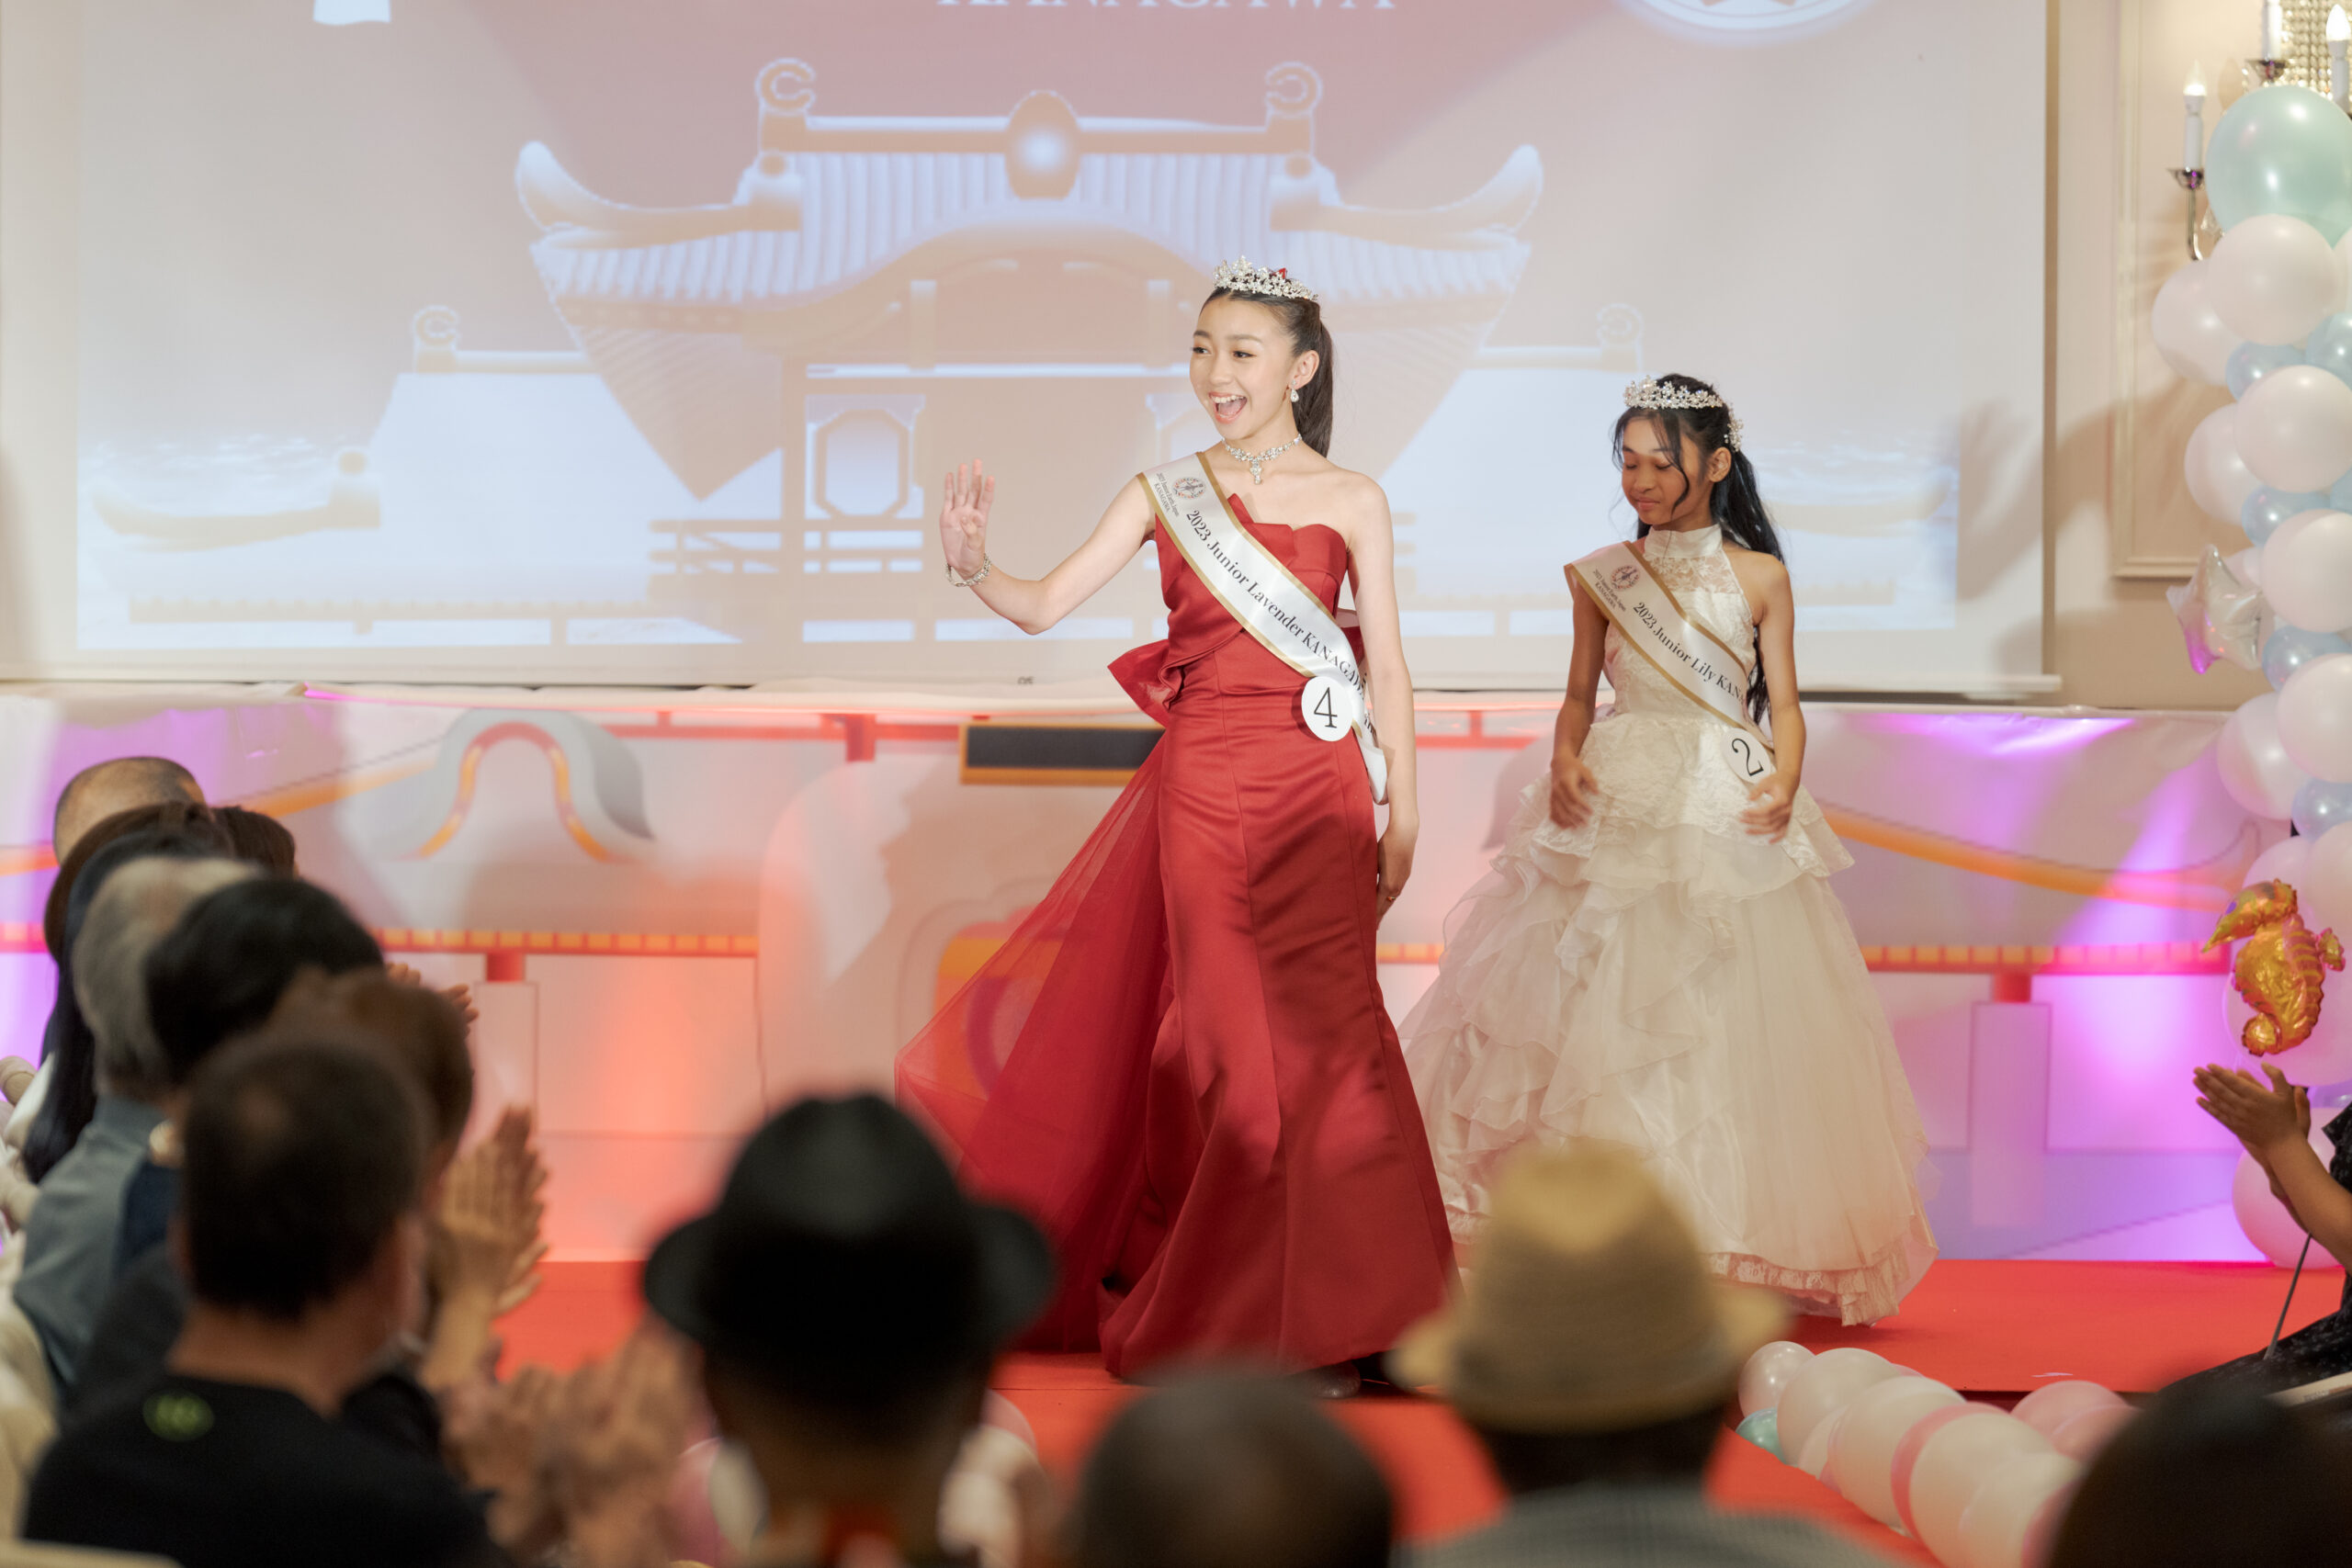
(1953, 1464)
(2084, 1434)
(2051, 1405)
(1821, 1387)
(2266, 1220)
(2288, 861)
(1766, 1376)
(1998, 1529)
(1861, 1459)
(1907, 1452)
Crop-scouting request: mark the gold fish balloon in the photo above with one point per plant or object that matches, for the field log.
(2280, 968)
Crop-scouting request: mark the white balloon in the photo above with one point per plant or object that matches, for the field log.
(2308, 567)
(2343, 260)
(2013, 1517)
(2273, 278)
(2312, 719)
(2288, 861)
(2294, 429)
(2246, 565)
(2190, 333)
(2219, 480)
(1861, 1455)
(1953, 1465)
(1823, 1387)
(2052, 1405)
(1766, 1376)
(1814, 1460)
(2252, 756)
(2266, 1220)
(2323, 897)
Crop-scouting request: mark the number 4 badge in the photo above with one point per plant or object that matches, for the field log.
(1328, 706)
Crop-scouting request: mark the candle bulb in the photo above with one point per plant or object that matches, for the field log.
(2192, 156)
(2339, 38)
(2274, 28)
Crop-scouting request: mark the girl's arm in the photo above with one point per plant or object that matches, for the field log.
(1573, 789)
(2270, 1123)
(1770, 801)
(1371, 546)
(1035, 604)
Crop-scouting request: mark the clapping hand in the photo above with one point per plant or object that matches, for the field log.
(965, 498)
(2264, 1120)
(614, 1438)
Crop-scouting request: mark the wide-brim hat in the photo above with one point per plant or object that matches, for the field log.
(841, 1245)
(1588, 1306)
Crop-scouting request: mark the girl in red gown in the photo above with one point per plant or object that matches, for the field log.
(1180, 1061)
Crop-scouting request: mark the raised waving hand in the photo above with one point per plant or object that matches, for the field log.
(964, 505)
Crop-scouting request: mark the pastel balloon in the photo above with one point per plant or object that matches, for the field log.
(2253, 759)
(1823, 1386)
(1861, 1458)
(2321, 806)
(2294, 431)
(2288, 861)
(2307, 569)
(2013, 1517)
(2189, 332)
(2265, 1220)
(1953, 1465)
(2085, 1434)
(2274, 279)
(2219, 481)
(2250, 362)
(2330, 344)
(1763, 1429)
(2289, 649)
(2339, 495)
(1767, 1372)
(1814, 1460)
(2050, 1406)
(1907, 1451)
(2283, 149)
(2311, 720)
(2245, 565)
(2265, 509)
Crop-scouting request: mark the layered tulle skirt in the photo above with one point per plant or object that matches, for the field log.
(1665, 980)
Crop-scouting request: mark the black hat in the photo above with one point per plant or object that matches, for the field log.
(843, 1251)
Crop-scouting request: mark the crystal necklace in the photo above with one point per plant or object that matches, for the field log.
(1258, 460)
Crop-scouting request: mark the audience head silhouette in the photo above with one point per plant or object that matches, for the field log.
(224, 967)
(2212, 1478)
(137, 907)
(423, 1031)
(1220, 1472)
(102, 789)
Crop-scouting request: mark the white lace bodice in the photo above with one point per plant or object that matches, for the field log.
(1695, 570)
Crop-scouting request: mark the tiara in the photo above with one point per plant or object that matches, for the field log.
(1266, 282)
(1649, 392)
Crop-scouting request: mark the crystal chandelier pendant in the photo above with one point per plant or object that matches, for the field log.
(1258, 460)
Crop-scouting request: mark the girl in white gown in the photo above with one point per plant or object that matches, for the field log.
(1657, 959)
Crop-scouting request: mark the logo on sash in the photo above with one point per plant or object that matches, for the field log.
(1654, 623)
(1271, 604)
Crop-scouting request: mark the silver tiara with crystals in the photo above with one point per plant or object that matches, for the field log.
(1266, 282)
(1649, 392)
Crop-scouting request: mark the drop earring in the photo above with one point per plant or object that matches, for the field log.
(1293, 394)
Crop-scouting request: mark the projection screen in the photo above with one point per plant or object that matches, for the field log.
(596, 339)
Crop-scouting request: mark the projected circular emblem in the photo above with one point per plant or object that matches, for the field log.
(1750, 16)
(1190, 488)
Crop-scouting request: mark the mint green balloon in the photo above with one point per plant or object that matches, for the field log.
(2283, 149)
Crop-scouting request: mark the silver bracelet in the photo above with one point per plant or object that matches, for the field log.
(986, 565)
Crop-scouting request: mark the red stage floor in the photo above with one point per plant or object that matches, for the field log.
(1985, 1328)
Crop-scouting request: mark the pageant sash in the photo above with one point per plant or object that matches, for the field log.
(1271, 604)
(1695, 660)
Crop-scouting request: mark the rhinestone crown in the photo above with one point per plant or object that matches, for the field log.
(1651, 393)
(1266, 282)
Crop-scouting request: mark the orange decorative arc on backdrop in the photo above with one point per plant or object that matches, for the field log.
(2281, 968)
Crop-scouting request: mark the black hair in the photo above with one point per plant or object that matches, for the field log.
(1228, 1472)
(421, 1029)
(262, 840)
(2212, 1477)
(1674, 1451)
(1736, 504)
(145, 780)
(299, 1157)
(224, 966)
(1303, 320)
(68, 1046)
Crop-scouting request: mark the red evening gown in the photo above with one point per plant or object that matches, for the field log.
(1180, 1061)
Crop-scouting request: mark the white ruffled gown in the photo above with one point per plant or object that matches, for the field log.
(1664, 980)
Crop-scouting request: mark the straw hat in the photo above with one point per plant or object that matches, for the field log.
(1590, 1308)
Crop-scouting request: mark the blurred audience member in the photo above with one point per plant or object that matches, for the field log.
(66, 1091)
(303, 1244)
(1592, 1353)
(258, 840)
(850, 1303)
(2216, 1476)
(69, 1241)
(1216, 1474)
(102, 789)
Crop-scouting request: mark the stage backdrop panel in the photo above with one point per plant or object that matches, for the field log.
(598, 340)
